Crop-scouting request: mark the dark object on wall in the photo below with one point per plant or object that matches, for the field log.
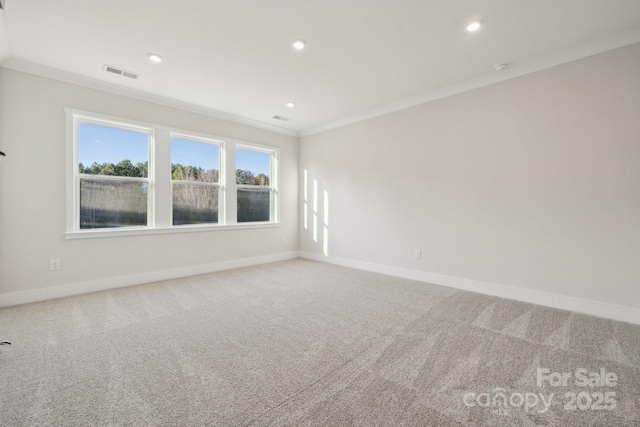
(4, 343)
(2, 3)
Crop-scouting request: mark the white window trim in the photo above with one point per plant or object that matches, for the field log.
(221, 176)
(160, 198)
(273, 179)
(73, 216)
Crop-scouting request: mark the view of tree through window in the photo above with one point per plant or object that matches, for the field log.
(113, 170)
(129, 174)
(253, 178)
(195, 172)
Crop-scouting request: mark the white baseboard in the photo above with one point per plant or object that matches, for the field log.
(595, 308)
(43, 294)
(563, 302)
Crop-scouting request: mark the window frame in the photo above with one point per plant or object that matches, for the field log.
(273, 179)
(160, 183)
(78, 177)
(221, 177)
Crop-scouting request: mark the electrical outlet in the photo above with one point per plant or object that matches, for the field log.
(418, 254)
(55, 264)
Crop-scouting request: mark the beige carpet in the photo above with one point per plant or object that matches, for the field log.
(304, 343)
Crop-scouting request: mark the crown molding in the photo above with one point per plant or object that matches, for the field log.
(28, 67)
(515, 70)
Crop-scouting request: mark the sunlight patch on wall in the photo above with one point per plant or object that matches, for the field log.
(315, 211)
(315, 206)
(306, 201)
(325, 236)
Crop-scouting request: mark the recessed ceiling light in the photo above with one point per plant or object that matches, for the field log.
(155, 58)
(299, 44)
(473, 27)
(291, 104)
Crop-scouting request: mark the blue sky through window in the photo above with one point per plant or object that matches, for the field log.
(194, 153)
(102, 144)
(255, 161)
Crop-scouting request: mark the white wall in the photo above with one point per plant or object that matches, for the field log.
(32, 198)
(532, 183)
(4, 44)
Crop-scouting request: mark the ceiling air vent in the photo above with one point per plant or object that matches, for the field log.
(284, 119)
(120, 72)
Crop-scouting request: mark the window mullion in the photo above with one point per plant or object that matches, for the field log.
(112, 177)
(116, 201)
(162, 178)
(73, 183)
(274, 207)
(254, 187)
(230, 189)
(211, 184)
(253, 162)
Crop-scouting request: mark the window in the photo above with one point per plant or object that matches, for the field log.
(126, 177)
(195, 175)
(254, 181)
(112, 176)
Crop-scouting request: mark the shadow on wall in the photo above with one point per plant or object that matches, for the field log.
(315, 213)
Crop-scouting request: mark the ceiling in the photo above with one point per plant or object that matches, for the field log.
(235, 59)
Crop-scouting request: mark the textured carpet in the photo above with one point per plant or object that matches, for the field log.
(305, 343)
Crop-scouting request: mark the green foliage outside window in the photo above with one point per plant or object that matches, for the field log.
(191, 204)
(122, 168)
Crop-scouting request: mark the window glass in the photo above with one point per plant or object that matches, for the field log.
(194, 161)
(194, 204)
(104, 150)
(195, 172)
(123, 176)
(253, 167)
(254, 204)
(107, 204)
(113, 165)
(255, 191)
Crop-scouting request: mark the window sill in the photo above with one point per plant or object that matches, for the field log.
(144, 231)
